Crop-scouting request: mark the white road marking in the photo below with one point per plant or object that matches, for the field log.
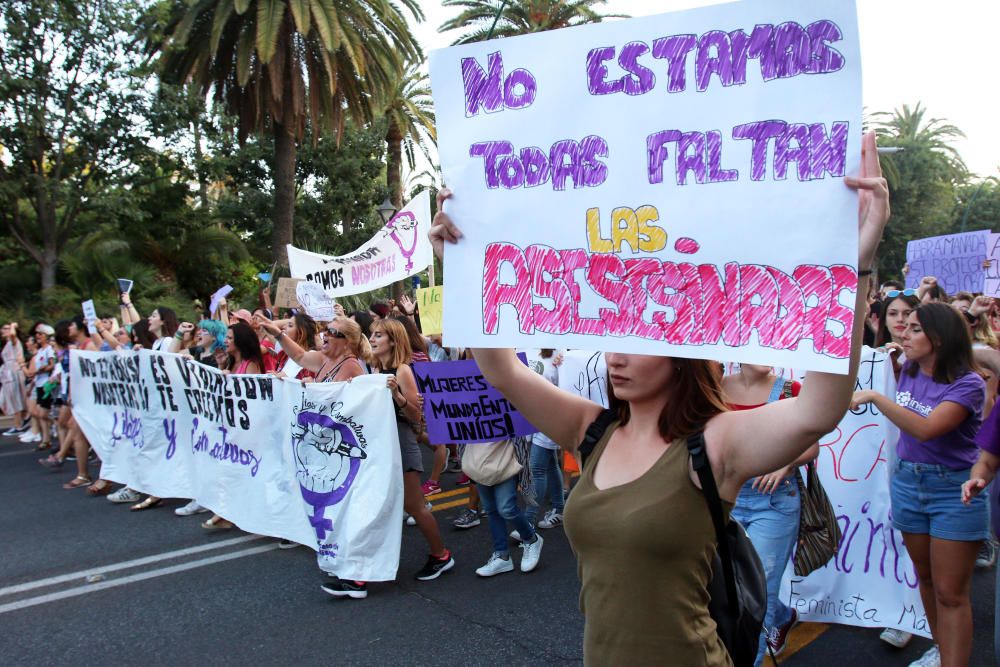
(125, 565)
(131, 579)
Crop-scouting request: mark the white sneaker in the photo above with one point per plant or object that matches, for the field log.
(930, 659)
(894, 637)
(497, 564)
(514, 535)
(125, 495)
(532, 552)
(30, 437)
(191, 508)
(552, 519)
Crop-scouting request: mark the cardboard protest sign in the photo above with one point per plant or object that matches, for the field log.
(285, 296)
(89, 315)
(671, 184)
(314, 463)
(991, 283)
(217, 298)
(429, 301)
(871, 582)
(317, 303)
(956, 260)
(461, 406)
(399, 250)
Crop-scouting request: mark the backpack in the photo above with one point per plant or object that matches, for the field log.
(738, 588)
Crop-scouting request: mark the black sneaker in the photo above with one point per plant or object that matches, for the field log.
(435, 567)
(342, 588)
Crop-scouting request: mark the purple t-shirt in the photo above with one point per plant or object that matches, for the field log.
(956, 449)
(989, 440)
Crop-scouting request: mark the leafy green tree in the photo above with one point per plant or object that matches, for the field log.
(922, 179)
(277, 64)
(520, 17)
(977, 206)
(68, 110)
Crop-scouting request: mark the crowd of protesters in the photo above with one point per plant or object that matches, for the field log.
(944, 354)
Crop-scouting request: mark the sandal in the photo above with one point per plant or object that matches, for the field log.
(52, 462)
(149, 503)
(43, 447)
(77, 482)
(101, 487)
(218, 523)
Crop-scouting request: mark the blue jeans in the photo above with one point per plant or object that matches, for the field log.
(546, 475)
(500, 504)
(772, 521)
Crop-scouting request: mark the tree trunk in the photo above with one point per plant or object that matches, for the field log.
(394, 179)
(284, 192)
(198, 156)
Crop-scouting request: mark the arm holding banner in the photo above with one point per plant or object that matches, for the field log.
(743, 444)
(945, 418)
(755, 442)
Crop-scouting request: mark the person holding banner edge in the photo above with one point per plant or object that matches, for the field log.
(644, 580)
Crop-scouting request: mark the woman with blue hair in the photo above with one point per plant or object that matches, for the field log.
(208, 339)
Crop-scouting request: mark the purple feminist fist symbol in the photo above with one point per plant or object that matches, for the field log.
(402, 222)
(328, 458)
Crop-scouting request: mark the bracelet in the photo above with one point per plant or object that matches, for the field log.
(280, 334)
(866, 272)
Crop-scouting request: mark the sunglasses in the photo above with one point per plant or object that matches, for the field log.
(336, 333)
(892, 294)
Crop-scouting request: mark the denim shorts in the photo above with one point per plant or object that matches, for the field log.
(927, 500)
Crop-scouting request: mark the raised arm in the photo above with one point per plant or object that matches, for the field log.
(556, 413)
(748, 443)
(311, 360)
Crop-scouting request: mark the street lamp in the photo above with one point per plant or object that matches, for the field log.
(387, 210)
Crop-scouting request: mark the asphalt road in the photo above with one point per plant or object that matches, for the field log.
(83, 580)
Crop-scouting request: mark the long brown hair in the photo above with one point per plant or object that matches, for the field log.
(402, 354)
(950, 339)
(694, 395)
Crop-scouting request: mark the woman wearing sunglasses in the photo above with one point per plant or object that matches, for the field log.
(340, 357)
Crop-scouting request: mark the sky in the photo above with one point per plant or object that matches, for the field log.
(909, 52)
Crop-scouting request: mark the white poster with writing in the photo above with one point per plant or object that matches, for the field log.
(871, 581)
(317, 464)
(585, 373)
(399, 250)
(672, 184)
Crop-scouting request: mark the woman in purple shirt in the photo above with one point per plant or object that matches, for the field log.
(938, 409)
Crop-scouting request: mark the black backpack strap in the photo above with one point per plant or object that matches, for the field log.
(594, 433)
(700, 462)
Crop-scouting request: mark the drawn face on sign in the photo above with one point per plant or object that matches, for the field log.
(403, 231)
(327, 458)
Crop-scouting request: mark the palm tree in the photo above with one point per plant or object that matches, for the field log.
(410, 114)
(277, 63)
(519, 17)
(908, 129)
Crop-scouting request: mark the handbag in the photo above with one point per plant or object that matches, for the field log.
(738, 588)
(819, 530)
(490, 463)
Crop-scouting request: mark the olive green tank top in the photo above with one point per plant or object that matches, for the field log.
(644, 553)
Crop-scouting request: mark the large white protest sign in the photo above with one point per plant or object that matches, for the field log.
(399, 250)
(317, 464)
(871, 581)
(671, 184)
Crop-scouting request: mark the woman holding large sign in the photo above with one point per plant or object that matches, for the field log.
(637, 520)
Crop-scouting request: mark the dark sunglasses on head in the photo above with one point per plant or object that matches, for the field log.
(892, 294)
(336, 333)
